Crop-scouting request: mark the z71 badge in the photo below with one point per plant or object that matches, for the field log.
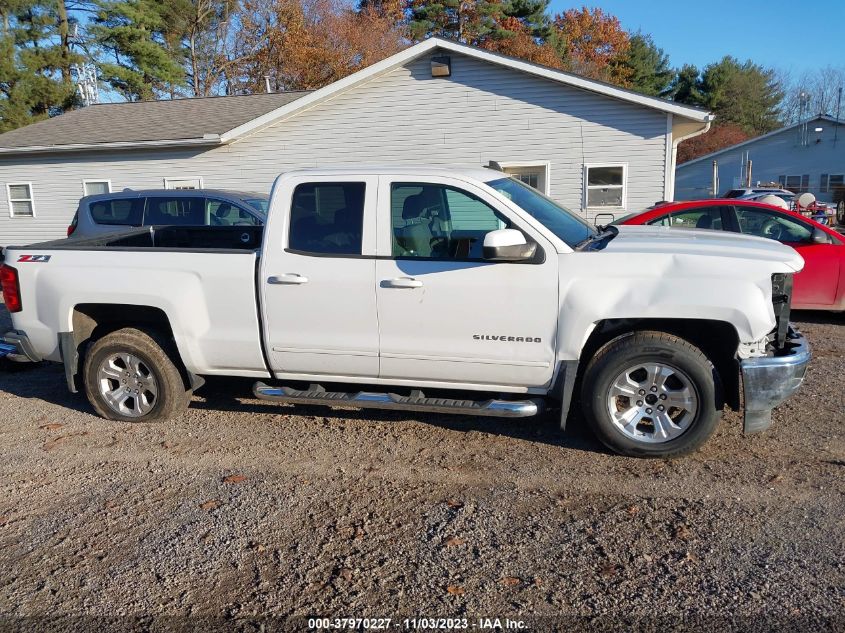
(34, 258)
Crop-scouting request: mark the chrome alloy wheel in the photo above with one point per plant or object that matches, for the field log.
(127, 385)
(652, 402)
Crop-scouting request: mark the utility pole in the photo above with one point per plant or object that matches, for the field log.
(84, 73)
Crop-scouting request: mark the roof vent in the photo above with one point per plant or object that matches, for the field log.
(441, 66)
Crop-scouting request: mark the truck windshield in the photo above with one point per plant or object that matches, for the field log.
(563, 223)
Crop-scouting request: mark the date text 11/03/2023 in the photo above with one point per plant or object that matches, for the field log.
(417, 624)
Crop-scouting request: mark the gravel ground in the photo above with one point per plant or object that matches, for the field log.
(243, 509)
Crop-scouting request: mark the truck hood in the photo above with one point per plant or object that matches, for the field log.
(703, 242)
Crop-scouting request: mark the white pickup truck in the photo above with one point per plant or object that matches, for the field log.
(450, 290)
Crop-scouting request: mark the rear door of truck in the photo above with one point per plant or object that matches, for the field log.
(317, 278)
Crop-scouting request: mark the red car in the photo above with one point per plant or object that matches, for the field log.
(820, 286)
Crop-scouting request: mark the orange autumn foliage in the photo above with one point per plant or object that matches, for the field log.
(718, 137)
(307, 44)
(521, 44)
(594, 44)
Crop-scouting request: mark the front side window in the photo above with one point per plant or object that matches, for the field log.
(127, 212)
(440, 222)
(605, 186)
(327, 218)
(222, 213)
(694, 218)
(175, 211)
(21, 202)
(775, 226)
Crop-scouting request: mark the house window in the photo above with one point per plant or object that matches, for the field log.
(831, 183)
(183, 183)
(605, 185)
(532, 174)
(96, 187)
(21, 201)
(795, 184)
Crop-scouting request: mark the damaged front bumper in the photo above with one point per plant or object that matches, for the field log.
(769, 380)
(15, 346)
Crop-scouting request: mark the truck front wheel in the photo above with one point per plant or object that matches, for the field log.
(129, 377)
(651, 394)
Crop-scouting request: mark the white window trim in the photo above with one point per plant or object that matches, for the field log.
(169, 180)
(588, 166)
(31, 199)
(545, 165)
(85, 182)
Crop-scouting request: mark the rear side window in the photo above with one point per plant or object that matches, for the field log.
(125, 212)
(327, 218)
(176, 211)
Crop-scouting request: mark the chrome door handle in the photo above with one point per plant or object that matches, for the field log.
(403, 282)
(287, 279)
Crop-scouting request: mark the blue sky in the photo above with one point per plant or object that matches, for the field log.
(794, 36)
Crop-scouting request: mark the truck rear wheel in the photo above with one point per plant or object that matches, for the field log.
(129, 377)
(651, 394)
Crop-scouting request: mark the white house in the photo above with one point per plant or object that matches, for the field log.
(806, 156)
(592, 146)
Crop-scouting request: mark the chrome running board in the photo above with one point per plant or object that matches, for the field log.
(315, 394)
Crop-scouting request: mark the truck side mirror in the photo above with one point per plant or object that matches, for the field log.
(508, 245)
(820, 237)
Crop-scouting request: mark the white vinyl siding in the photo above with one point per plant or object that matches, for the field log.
(482, 112)
(21, 201)
(773, 156)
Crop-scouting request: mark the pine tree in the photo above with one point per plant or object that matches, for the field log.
(685, 86)
(35, 62)
(142, 44)
(649, 70)
(742, 93)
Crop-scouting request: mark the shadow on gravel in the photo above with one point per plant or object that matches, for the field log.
(818, 316)
(42, 381)
(46, 382)
(224, 394)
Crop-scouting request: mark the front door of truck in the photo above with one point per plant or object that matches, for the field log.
(447, 315)
(318, 302)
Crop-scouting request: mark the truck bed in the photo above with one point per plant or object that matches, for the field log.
(201, 278)
(191, 238)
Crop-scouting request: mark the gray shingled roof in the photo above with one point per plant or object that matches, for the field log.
(139, 121)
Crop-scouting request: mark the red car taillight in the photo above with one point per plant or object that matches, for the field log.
(73, 224)
(11, 288)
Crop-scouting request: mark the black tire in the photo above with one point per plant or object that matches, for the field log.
(627, 351)
(171, 396)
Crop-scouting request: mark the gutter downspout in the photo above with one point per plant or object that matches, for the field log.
(675, 142)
